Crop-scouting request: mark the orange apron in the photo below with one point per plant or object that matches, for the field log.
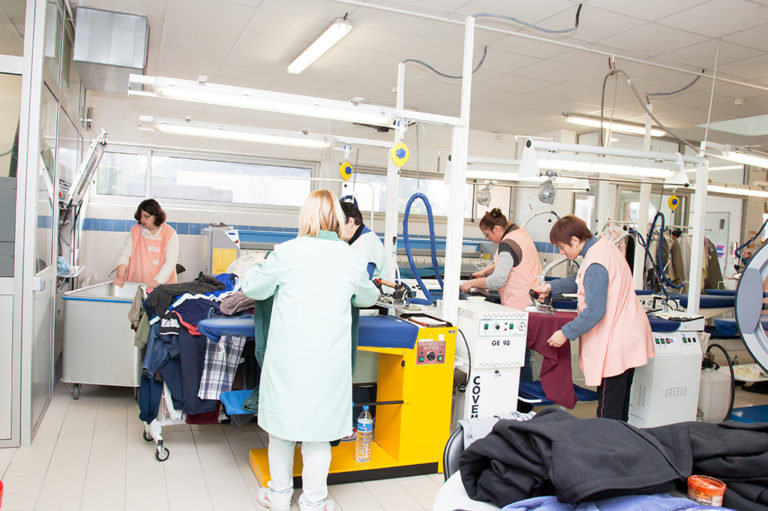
(148, 255)
(522, 277)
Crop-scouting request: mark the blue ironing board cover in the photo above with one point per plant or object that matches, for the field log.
(707, 301)
(233, 401)
(214, 328)
(387, 332)
(375, 331)
(663, 325)
(533, 389)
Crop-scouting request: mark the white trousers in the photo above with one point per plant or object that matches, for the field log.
(316, 457)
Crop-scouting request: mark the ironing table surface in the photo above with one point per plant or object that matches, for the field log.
(375, 331)
(727, 327)
(706, 301)
(547, 324)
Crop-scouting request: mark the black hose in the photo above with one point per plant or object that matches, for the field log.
(733, 377)
(462, 387)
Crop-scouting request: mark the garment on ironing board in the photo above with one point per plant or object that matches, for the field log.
(556, 376)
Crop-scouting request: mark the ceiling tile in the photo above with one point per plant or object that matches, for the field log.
(652, 39)
(594, 24)
(703, 54)
(755, 37)
(650, 10)
(719, 18)
(752, 68)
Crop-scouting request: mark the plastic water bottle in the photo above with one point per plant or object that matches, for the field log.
(364, 436)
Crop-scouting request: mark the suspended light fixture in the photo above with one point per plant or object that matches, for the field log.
(747, 157)
(319, 46)
(619, 126)
(738, 190)
(585, 159)
(238, 133)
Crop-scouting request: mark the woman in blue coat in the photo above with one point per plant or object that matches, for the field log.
(306, 383)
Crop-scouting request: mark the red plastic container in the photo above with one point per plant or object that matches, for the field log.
(706, 490)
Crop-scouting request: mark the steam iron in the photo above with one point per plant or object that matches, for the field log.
(544, 307)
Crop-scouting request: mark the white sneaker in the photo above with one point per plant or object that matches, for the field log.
(264, 499)
(326, 506)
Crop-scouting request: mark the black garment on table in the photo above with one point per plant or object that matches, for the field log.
(162, 296)
(581, 460)
(577, 460)
(630, 253)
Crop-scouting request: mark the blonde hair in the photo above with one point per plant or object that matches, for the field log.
(321, 212)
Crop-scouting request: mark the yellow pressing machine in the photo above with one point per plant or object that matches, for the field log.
(413, 402)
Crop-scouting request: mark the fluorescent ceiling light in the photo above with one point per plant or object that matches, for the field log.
(743, 191)
(257, 99)
(747, 158)
(600, 165)
(322, 44)
(622, 127)
(241, 134)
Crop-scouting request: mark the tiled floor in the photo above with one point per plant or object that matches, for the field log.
(89, 454)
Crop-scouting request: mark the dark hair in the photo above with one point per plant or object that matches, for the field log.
(493, 218)
(568, 226)
(351, 211)
(150, 206)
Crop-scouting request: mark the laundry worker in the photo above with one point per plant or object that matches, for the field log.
(515, 269)
(305, 393)
(364, 240)
(614, 331)
(150, 251)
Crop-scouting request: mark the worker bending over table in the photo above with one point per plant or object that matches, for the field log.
(613, 328)
(305, 392)
(515, 268)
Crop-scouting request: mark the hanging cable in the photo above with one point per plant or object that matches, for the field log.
(433, 249)
(454, 77)
(530, 25)
(667, 299)
(681, 89)
(613, 72)
(737, 252)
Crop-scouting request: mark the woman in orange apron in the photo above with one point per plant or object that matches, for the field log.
(151, 250)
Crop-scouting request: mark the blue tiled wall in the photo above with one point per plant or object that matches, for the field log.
(254, 233)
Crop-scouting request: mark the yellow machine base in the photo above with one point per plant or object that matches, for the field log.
(344, 468)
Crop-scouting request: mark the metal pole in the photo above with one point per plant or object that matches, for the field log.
(458, 181)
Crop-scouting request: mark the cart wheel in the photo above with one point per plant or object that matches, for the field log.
(147, 436)
(162, 455)
(75, 391)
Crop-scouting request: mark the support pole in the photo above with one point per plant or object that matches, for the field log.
(459, 150)
(393, 181)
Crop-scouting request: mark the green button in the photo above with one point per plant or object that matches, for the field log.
(486, 326)
(421, 359)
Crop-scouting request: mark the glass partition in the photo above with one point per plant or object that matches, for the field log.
(10, 103)
(12, 13)
(49, 109)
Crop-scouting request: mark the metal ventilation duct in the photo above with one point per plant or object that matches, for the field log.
(109, 46)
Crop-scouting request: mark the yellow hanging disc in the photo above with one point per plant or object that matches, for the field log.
(345, 169)
(399, 154)
(673, 202)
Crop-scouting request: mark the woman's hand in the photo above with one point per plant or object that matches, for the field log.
(467, 285)
(152, 284)
(543, 291)
(119, 281)
(557, 339)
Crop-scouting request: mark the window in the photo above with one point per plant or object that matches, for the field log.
(122, 174)
(226, 181)
(370, 191)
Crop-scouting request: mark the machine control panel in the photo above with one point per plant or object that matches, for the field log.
(492, 327)
(430, 351)
(674, 342)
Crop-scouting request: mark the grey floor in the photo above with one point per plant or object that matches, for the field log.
(89, 454)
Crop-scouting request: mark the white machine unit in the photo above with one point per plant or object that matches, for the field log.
(496, 338)
(221, 246)
(666, 390)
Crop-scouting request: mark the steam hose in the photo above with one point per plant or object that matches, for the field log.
(733, 376)
(433, 249)
(737, 252)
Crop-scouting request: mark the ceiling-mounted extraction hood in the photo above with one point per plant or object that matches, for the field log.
(109, 46)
